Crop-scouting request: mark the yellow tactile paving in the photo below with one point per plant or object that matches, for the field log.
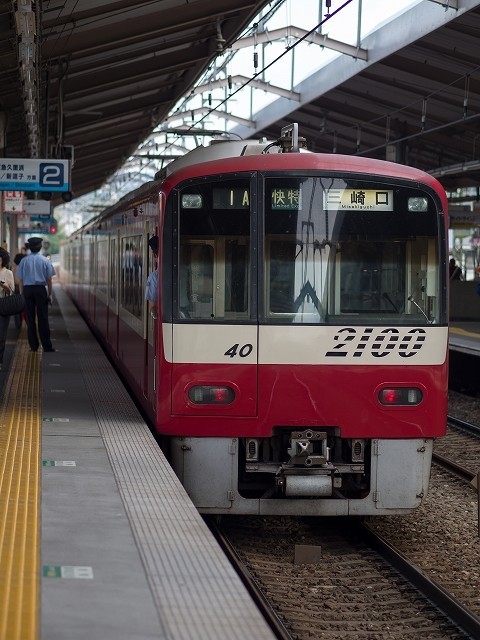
(20, 438)
(464, 332)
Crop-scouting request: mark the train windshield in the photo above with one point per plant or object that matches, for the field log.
(330, 250)
(346, 250)
(214, 254)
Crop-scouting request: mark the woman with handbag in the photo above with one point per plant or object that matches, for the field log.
(7, 286)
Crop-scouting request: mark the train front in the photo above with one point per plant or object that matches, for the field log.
(303, 350)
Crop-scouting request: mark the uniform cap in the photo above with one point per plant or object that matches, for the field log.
(34, 242)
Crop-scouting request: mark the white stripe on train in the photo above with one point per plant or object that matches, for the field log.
(305, 345)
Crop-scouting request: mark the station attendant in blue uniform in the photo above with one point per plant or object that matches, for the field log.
(34, 275)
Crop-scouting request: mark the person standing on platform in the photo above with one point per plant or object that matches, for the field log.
(454, 270)
(151, 289)
(34, 275)
(7, 286)
(19, 257)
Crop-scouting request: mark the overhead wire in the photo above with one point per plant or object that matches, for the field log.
(287, 50)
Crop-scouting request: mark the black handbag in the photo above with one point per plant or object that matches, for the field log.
(12, 304)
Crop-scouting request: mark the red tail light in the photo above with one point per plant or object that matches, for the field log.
(400, 396)
(211, 395)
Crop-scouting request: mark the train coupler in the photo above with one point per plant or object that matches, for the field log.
(308, 448)
(312, 483)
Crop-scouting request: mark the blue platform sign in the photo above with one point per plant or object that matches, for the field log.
(17, 174)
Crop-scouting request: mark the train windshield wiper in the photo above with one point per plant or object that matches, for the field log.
(410, 298)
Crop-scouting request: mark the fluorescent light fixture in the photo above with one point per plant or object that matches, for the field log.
(26, 27)
(27, 53)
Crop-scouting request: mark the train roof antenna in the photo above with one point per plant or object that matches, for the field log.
(289, 140)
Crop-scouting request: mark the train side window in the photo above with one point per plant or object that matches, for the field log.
(102, 262)
(86, 271)
(113, 270)
(76, 263)
(131, 277)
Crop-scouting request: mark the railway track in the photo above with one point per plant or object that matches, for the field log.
(459, 451)
(463, 425)
(363, 586)
(383, 579)
(399, 576)
(269, 613)
(434, 592)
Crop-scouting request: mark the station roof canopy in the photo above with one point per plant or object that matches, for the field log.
(410, 93)
(96, 76)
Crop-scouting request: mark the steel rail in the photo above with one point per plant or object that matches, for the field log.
(464, 426)
(453, 467)
(434, 592)
(271, 617)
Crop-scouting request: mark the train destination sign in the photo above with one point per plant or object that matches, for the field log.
(361, 199)
(17, 174)
(286, 199)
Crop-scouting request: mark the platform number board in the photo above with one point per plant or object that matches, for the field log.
(17, 174)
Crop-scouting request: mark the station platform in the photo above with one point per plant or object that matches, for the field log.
(98, 539)
(464, 337)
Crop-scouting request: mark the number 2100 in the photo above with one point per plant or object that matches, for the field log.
(381, 345)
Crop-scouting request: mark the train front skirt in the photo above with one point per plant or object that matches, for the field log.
(210, 470)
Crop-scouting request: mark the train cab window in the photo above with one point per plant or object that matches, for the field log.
(214, 251)
(131, 275)
(357, 251)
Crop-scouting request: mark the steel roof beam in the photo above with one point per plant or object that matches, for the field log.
(322, 40)
(255, 84)
(406, 28)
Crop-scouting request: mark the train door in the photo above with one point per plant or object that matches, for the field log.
(151, 343)
(215, 332)
(113, 297)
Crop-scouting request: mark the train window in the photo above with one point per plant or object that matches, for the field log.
(196, 279)
(372, 277)
(86, 271)
(75, 263)
(131, 277)
(102, 265)
(214, 250)
(349, 250)
(113, 271)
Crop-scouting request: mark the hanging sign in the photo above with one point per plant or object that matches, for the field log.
(13, 202)
(34, 175)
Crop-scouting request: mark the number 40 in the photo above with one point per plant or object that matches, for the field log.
(244, 351)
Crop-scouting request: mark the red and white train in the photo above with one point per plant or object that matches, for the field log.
(299, 361)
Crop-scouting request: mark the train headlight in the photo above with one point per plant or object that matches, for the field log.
(418, 204)
(191, 201)
(400, 396)
(211, 395)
